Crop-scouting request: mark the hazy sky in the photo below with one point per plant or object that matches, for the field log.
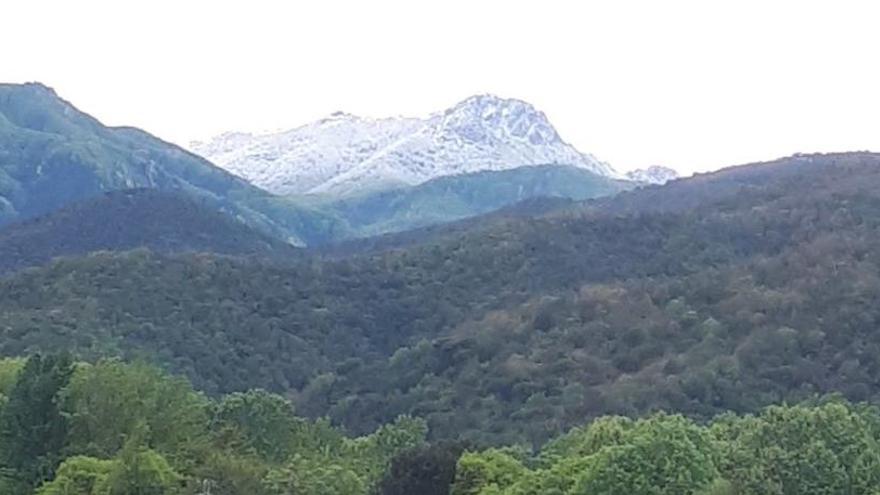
(693, 85)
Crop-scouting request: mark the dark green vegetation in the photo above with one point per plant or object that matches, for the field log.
(110, 428)
(517, 329)
(711, 297)
(453, 198)
(828, 449)
(162, 221)
(114, 429)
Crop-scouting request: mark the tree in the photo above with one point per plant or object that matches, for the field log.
(825, 449)
(231, 473)
(9, 370)
(110, 401)
(426, 470)
(663, 455)
(32, 427)
(140, 471)
(314, 477)
(264, 421)
(79, 475)
(491, 470)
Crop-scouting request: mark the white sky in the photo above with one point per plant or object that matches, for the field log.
(690, 84)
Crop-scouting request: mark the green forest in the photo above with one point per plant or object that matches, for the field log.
(110, 428)
(515, 331)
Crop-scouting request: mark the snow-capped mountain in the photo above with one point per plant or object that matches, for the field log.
(654, 174)
(346, 154)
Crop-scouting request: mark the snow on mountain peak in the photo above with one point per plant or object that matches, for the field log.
(655, 174)
(343, 153)
(489, 117)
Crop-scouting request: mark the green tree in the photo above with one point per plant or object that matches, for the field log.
(140, 471)
(32, 427)
(264, 422)
(79, 475)
(606, 431)
(426, 470)
(486, 472)
(9, 370)
(315, 477)
(136, 470)
(825, 449)
(110, 401)
(231, 473)
(663, 455)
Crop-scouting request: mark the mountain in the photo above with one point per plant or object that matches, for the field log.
(162, 221)
(450, 198)
(345, 154)
(52, 155)
(654, 174)
(723, 291)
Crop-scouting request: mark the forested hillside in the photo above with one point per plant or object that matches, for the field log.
(162, 221)
(108, 428)
(517, 329)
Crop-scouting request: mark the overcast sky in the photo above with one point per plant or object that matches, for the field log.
(693, 85)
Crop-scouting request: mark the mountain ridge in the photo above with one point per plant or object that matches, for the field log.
(451, 198)
(162, 221)
(52, 155)
(655, 174)
(345, 154)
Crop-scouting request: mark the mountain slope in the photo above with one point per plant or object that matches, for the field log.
(345, 154)
(51, 155)
(758, 291)
(123, 220)
(450, 198)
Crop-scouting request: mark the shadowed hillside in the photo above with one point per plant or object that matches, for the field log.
(118, 221)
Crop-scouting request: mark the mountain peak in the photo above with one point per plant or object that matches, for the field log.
(340, 115)
(344, 154)
(33, 86)
(484, 100)
(655, 174)
(488, 116)
(35, 106)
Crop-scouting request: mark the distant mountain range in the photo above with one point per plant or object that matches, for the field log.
(345, 154)
(374, 176)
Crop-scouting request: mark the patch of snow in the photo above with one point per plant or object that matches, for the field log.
(654, 174)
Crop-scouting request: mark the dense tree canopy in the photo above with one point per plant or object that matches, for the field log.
(826, 448)
(171, 440)
(561, 337)
(127, 429)
(515, 330)
(33, 428)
